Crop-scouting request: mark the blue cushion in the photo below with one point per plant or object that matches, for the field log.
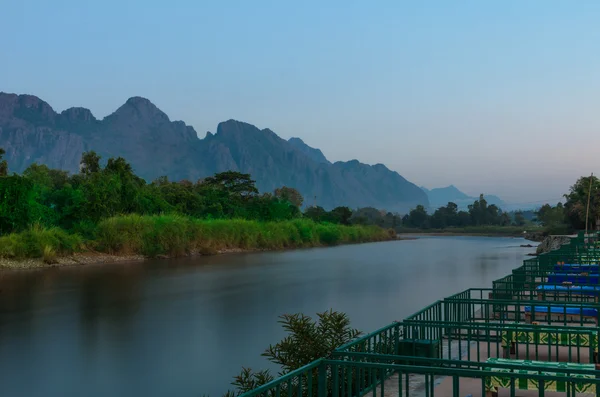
(587, 311)
(575, 289)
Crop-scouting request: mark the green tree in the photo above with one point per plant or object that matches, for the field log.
(90, 163)
(17, 203)
(478, 211)
(519, 219)
(418, 218)
(445, 216)
(3, 163)
(341, 215)
(233, 183)
(290, 194)
(576, 203)
(554, 219)
(129, 184)
(464, 219)
(316, 214)
(368, 216)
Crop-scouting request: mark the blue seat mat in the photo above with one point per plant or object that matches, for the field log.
(577, 268)
(576, 289)
(557, 278)
(585, 311)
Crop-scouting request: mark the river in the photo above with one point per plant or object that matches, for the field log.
(184, 327)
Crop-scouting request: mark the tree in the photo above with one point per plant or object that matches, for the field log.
(341, 215)
(90, 163)
(505, 219)
(130, 184)
(576, 204)
(519, 218)
(317, 214)
(464, 219)
(290, 194)
(3, 163)
(307, 340)
(17, 203)
(233, 183)
(368, 216)
(549, 216)
(478, 210)
(418, 218)
(445, 216)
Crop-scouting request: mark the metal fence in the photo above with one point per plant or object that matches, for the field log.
(358, 374)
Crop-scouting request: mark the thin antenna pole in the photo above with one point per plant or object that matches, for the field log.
(587, 211)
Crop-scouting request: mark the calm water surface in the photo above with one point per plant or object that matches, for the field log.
(183, 327)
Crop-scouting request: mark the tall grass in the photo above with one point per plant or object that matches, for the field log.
(39, 242)
(178, 235)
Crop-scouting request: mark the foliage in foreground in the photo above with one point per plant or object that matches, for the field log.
(307, 341)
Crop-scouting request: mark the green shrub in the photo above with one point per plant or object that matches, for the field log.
(39, 242)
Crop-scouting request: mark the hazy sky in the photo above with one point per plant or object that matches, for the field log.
(493, 96)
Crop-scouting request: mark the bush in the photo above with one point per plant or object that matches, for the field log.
(39, 242)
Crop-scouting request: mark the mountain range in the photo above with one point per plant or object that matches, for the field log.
(31, 131)
(439, 197)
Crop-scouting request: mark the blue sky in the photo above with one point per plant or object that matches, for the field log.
(492, 96)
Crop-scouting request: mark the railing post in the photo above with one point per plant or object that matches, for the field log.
(322, 390)
(397, 339)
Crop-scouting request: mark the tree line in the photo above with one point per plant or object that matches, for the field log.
(54, 198)
(480, 213)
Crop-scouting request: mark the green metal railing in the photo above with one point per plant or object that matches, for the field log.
(492, 310)
(478, 341)
(383, 341)
(359, 374)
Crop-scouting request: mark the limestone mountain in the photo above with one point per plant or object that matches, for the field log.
(31, 131)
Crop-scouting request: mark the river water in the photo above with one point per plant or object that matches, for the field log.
(184, 327)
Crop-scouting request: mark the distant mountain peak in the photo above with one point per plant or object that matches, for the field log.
(78, 114)
(140, 101)
(140, 109)
(443, 195)
(313, 153)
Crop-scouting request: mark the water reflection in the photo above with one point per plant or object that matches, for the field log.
(184, 327)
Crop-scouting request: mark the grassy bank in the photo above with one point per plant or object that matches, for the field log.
(510, 231)
(174, 235)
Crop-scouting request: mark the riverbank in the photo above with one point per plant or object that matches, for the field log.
(135, 237)
(481, 231)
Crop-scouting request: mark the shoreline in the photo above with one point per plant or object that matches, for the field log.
(100, 258)
(460, 234)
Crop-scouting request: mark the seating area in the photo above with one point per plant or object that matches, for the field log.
(534, 333)
(568, 293)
